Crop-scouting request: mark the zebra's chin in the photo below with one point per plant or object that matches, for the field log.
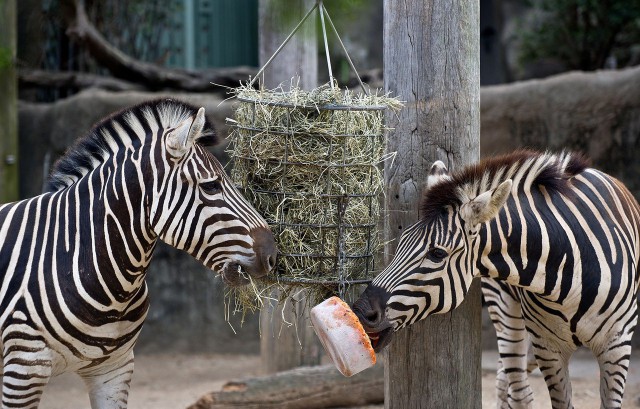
(233, 275)
(379, 340)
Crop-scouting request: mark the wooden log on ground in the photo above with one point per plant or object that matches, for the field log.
(311, 387)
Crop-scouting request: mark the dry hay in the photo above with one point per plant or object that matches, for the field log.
(310, 163)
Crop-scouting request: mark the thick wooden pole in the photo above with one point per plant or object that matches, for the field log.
(8, 103)
(432, 61)
(287, 339)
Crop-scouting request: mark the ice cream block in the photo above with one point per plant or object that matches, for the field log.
(343, 337)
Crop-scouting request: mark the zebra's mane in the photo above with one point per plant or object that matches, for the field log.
(123, 129)
(552, 171)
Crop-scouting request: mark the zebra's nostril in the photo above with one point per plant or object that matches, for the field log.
(372, 316)
(265, 247)
(271, 262)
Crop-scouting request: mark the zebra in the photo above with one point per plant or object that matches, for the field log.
(556, 242)
(74, 259)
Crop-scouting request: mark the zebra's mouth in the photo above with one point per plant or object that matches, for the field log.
(380, 339)
(233, 275)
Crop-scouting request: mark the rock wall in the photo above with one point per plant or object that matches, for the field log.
(595, 113)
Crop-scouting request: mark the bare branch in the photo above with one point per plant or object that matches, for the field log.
(152, 76)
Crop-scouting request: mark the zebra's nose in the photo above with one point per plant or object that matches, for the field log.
(369, 308)
(264, 246)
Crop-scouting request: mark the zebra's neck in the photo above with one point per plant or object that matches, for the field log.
(526, 245)
(112, 230)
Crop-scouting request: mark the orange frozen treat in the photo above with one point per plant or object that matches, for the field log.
(343, 337)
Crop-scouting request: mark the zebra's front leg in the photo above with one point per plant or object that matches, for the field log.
(614, 364)
(512, 383)
(109, 386)
(554, 365)
(26, 374)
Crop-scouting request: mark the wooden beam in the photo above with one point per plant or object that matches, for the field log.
(432, 61)
(8, 103)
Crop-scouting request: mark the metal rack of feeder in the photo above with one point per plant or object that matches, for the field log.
(311, 163)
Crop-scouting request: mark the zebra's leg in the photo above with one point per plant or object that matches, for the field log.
(512, 382)
(27, 362)
(614, 364)
(532, 364)
(554, 365)
(25, 375)
(109, 385)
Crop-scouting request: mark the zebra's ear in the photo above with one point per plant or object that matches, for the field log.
(184, 135)
(487, 205)
(437, 174)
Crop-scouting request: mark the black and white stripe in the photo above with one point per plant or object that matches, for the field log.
(74, 260)
(557, 245)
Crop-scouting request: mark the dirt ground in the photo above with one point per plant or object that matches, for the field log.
(176, 381)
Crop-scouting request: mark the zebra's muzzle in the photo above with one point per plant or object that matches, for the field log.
(370, 310)
(233, 275)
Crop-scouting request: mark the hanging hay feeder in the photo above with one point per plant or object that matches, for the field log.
(310, 163)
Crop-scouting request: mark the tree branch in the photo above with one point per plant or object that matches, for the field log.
(152, 76)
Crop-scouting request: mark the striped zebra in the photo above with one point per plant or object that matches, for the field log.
(557, 245)
(74, 259)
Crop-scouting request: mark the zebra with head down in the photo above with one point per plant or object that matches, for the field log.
(557, 245)
(73, 260)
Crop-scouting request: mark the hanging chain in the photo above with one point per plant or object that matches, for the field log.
(342, 207)
(321, 11)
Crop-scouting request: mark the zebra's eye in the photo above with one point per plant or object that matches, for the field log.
(212, 187)
(437, 254)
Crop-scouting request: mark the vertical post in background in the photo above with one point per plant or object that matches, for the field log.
(286, 345)
(432, 61)
(299, 58)
(8, 103)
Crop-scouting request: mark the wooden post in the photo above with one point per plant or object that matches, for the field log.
(432, 61)
(287, 340)
(8, 103)
(299, 58)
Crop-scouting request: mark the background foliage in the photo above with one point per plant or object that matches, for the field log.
(583, 34)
